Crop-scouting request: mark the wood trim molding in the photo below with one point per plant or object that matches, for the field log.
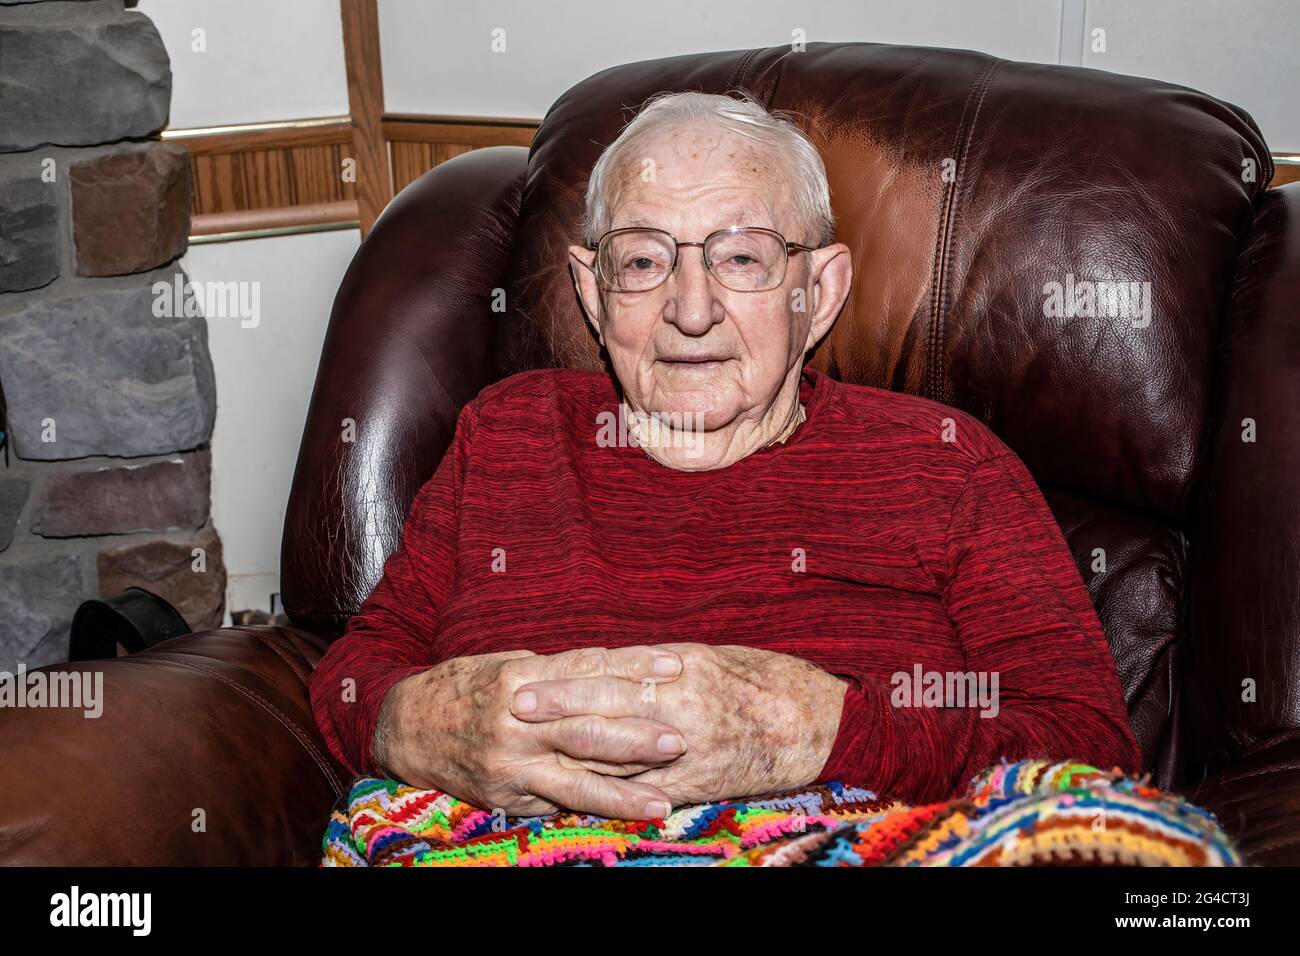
(426, 118)
(1286, 169)
(249, 137)
(457, 132)
(374, 178)
(313, 216)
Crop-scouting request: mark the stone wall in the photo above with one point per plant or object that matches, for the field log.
(104, 483)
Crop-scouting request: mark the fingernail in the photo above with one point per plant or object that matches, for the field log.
(525, 702)
(671, 744)
(657, 809)
(667, 665)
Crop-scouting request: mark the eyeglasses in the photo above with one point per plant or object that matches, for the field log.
(742, 258)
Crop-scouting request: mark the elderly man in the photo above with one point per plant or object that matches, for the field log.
(780, 583)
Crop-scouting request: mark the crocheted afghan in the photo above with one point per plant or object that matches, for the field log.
(1016, 814)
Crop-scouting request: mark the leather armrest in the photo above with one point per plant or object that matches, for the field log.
(1257, 800)
(1243, 619)
(410, 341)
(204, 753)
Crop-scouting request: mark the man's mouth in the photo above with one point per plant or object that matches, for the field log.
(694, 361)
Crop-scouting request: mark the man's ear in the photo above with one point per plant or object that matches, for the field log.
(830, 281)
(582, 266)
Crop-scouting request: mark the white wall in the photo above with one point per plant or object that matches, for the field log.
(1244, 51)
(264, 376)
(438, 56)
(264, 59)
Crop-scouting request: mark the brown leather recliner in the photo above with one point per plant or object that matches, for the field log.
(966, 186)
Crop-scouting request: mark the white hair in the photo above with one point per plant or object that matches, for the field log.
(810, 191)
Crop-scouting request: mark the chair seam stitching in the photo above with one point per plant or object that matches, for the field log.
(262, 702)
(933, 385)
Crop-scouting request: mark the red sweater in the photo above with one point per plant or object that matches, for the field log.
(866, 543)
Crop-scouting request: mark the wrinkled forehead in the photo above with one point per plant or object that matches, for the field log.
(701, 175)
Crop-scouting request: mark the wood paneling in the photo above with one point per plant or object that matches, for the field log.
(248, 176)
(267, 166)
(419, 143)
(270, 178)
(413, 160)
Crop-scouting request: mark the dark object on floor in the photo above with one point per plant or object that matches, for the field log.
(134, 618)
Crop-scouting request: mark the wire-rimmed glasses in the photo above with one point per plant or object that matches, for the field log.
(741, 258)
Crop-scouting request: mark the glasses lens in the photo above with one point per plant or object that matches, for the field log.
(636, 260)
(747, 260)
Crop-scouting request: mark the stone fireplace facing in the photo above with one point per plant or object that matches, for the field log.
(108, 400)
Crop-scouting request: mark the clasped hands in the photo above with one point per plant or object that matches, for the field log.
(626, 733)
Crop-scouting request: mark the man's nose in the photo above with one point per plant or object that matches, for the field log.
(691, 293)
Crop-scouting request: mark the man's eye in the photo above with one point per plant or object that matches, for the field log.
(642, 263)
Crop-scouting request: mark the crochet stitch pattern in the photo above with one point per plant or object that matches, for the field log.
(1030, 813)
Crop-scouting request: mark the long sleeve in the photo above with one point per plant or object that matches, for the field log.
(1021, 613)
(392, 634)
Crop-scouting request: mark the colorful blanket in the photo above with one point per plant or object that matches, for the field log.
(1016, 814)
